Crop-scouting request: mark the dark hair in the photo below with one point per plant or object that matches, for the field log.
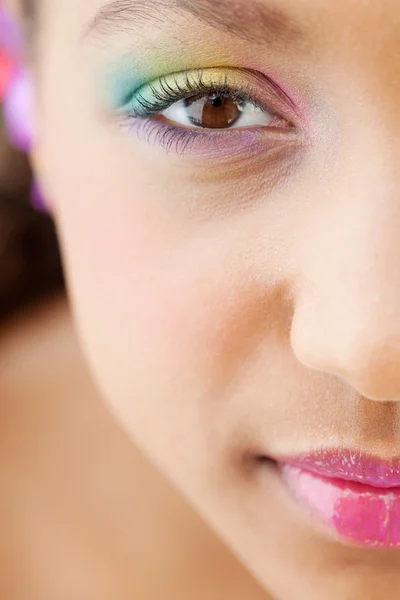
(30, 265)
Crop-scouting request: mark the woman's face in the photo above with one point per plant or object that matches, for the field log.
(224, 176)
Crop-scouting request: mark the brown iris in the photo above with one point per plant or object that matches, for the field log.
(213, 112)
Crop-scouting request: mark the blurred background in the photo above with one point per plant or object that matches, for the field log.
(29, 259)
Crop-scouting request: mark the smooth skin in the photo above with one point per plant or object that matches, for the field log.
(84, 514)
(230, 307)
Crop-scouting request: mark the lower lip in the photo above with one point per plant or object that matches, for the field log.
(356, 513)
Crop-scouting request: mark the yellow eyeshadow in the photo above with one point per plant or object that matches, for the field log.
(191, 81)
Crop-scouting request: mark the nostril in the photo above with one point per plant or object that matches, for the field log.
(262, 459)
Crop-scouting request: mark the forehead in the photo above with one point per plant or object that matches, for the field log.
(369, 29)
(311, 12)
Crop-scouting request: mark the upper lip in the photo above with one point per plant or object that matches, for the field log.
(348, 465)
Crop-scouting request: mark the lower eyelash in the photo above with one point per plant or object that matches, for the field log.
(183, 141)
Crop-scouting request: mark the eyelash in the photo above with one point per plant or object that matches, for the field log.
(180, 139)
(193, 86)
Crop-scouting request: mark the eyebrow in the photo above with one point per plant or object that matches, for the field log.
(251, 20)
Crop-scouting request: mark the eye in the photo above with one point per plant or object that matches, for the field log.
(209, 109)
(216, 111)
(212, 99)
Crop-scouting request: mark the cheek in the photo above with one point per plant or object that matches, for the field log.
(166, 306)
(165, 293)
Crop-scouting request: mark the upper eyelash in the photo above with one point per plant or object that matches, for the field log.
(164, 95)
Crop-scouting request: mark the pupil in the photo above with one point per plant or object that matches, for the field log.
(216, 101)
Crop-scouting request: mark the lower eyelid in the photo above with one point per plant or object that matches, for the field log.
(251, 161)
(211, 145)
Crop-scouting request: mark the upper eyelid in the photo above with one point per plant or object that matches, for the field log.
(193, 88)
(259, 77)
(197, 77)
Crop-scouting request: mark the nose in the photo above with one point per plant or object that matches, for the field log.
(347, 309)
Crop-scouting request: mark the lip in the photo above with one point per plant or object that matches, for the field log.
(349, 465)
(354, 495)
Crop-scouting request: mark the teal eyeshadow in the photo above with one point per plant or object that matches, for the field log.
(125, 78)
(121, 84)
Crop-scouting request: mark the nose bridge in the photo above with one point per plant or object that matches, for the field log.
(347, 317)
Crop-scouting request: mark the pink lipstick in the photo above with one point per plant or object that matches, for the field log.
(356, 496)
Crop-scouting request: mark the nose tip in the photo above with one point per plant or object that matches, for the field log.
(369, 363)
